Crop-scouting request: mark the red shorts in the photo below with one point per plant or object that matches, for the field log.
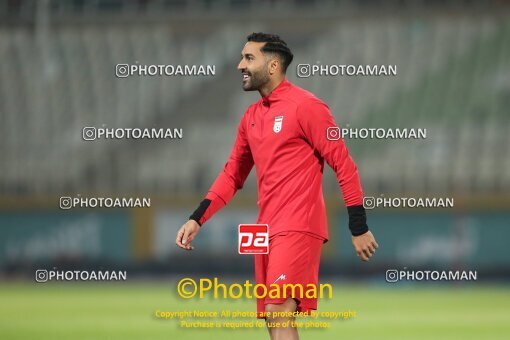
(293, 258)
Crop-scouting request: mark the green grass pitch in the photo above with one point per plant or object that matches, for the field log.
(126, 311)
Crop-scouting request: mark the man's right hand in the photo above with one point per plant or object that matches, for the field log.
(186, 234)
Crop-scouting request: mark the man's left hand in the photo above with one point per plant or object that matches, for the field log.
(365, 245)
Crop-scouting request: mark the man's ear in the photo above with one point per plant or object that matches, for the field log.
(274, 66)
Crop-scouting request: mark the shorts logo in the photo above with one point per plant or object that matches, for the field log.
(277, 127)
(253, 239)
(280, 278)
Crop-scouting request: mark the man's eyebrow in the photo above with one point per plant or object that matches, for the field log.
(246, 55)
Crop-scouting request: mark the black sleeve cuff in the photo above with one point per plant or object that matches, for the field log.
(357, 220)
(199, 213)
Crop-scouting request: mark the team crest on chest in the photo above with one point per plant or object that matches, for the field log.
(277, 127)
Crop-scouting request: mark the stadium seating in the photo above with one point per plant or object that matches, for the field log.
(452, 80)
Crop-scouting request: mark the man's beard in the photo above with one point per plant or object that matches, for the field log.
(256, 80)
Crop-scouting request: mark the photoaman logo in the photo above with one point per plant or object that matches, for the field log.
(253, 239)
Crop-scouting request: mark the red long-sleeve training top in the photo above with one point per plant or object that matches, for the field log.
(285, 135)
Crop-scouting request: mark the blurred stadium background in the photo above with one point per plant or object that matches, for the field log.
(57, 76)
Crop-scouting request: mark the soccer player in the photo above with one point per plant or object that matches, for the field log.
(287, 135)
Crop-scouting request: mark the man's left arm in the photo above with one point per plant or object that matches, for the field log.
(318, 127)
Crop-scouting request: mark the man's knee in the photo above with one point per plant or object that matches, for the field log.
(288, 305)
(280, 320)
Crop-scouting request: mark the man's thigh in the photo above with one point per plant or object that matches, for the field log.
(293, 259)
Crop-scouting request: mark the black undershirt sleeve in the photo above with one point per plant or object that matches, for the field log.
(200, 211)
(357, 220)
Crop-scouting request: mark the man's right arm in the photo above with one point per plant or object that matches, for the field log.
(231, 178)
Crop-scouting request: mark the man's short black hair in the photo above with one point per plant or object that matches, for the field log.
(274, 44)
